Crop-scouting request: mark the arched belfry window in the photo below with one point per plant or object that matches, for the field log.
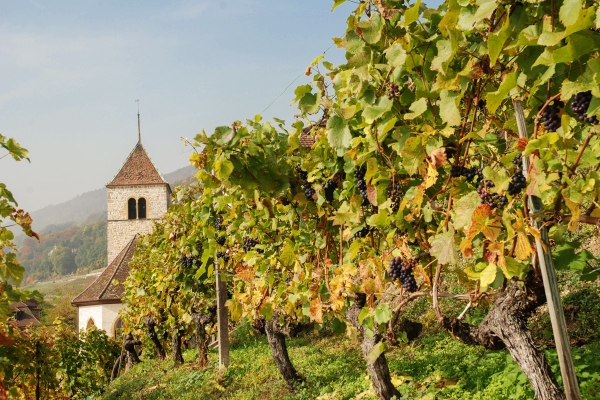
(90, 323)
(142, 208)
(131, 209)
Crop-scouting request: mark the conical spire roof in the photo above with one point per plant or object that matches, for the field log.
(138, 169)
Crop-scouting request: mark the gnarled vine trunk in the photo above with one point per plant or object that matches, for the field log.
(131, 355)
(378, 370)
(150, 327)
(176, 344)
(202, 339)
(505, 326)
(276, 338)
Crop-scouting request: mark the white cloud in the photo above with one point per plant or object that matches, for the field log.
(188, 11)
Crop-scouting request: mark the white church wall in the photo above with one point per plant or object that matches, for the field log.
(103, 315)
(110, 313)
(87, 312)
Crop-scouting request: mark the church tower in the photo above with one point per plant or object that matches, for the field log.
(136, 196)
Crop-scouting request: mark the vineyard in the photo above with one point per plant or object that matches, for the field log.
(442, 176)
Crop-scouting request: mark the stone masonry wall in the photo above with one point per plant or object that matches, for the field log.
(120, 229)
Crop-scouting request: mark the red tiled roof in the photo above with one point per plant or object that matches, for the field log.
(102, 290)
(138, 169)
(24, 316)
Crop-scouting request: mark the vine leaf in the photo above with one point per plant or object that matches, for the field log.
(464, 209)
(413, 154)
(482, 221)
(316, 310)
(442, 247)
(494, 99)
(338, 134)
(488, 276)
(345, 215)
(448, 109)
(569, 12)
(375, 111)
(417, 108)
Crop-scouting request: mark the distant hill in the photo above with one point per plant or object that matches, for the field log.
(87, 204)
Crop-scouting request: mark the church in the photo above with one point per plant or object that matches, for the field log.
(137, 196)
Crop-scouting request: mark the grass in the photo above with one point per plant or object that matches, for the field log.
(431, 367)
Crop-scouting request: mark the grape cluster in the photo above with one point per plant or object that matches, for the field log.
(187, 262)
(219, 223)
(361, 184)
(223, 255)
(403, 270)
(363, 232)
(580, 105)
(494, 200)
(309, 192)
(481, 104)
(249, 243)
(518, 181)
(469, 173)
(550, 116)
(450, 152)
(302, 175)
(395, 194)
(220, 240)
(329, 187)
(392, 90)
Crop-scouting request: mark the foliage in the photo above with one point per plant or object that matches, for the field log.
(65, 249)
(10, 270)
(161, 285)
(55, 361)
(423, 105)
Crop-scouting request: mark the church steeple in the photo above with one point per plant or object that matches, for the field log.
(139, 130)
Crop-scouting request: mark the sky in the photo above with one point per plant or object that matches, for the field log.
(70, 72)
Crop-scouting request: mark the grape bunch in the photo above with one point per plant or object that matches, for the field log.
(518, 181)
(220, 240)
(550, 116)
(450, 152)
(363, 232)
(580, 105)
(329, 188)
(249, 243)
(392, 90)
(223, 255)
(187, 262)
(309, 192)
(403, 270)
(219, 222)
(395, 194)
(481, 105)
(302, 175)
(494, 200)
(469, 173)
(361, 184)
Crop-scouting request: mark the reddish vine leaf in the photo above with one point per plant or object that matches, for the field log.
(316, 310)
(484, 222)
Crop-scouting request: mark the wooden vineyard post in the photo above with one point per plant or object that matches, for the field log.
(222, 318)
(555, 308)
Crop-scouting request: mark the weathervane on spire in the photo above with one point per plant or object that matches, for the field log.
(139, 130)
